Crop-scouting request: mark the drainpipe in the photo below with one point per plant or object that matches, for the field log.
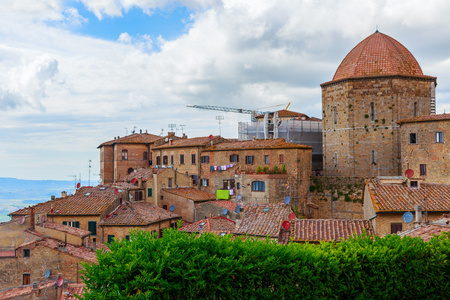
(32, 218)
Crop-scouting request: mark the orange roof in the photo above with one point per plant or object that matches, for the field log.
(137, 214)
(317, 230)
(378, 55)
(230, 205)
(143, 174)
(72, 290)
(64, 228)
(426, 232)
(256, 145)
(135, 138)
(284, 113)
(214, 224)
(264, 219)
(191, 194)
(25, 290)
(400, 198)
(192, 142)
(426, 118)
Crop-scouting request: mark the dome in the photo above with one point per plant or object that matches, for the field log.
(378, 55)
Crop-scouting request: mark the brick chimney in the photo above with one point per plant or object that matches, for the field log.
(63, 194)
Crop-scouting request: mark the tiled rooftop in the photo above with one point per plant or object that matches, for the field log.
(215, 224)
(400, 198)
(137, 214)
(136, 138)
(230, 205)
(142, 174)
(256, 145)
(378, 55)
(426, 118)
(192, 142)
(317, 230)
(427, 231)
(87, 201)
(191, 194)
(68, 229)
(72, 290)
(24, 291)
(259, 222)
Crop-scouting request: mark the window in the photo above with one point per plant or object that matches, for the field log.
(205, 182)
(171, 159)
(266, 159)
(193, 159)
(423, 169)
(138, 195)
(145, 156)
(158, 160)
(26, 252)
(238, 185)
(110, 238)
(149, 192)
(258, 186)
(165, 207)
(281, 158)
(372, 157)
(75, 224)
(92, 227)
(127, 237)
(234, 158)
(372, 111)
(414, 184)
(204, 159)
(439, 137)
(396, 227)
(249, 160)
(169, 184)
(413, 138)
(194, 179)
(181, 159)
(124, 155)
(334, 109)
(165, 160)
(130, 170)
(415, 109)
(26, 279)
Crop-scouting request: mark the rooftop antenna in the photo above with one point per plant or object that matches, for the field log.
(172, 126)
(90, 172)
(220, 118)
(75, 179)
(126, 130)
(182, 129)
(134, 130)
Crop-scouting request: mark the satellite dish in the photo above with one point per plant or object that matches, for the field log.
(408, 217)
(266, 209)
(239, 197)
(287, 200)
(286, 225)
(225, 211)
(47, 274)
(116, 191)
(291, 216)
(210, 136)
(238, 209)
(22, 220)
(133, 181)
(78, 185)
(409, 173)
(172, 207)
(60, 281)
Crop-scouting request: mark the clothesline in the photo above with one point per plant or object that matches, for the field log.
(221, 168)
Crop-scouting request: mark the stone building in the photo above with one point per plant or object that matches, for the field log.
(184, 154)
(386, 199)
(378, 83)
(217, 208)
(122, 155)
(219, 225)
(285, 169)
(426, 147)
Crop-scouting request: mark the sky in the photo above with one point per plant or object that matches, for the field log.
(74, 74)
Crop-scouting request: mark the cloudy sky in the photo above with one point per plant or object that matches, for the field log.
(74, 74)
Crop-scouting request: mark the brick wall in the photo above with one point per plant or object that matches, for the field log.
(135, 158)
(107, 164)
(119, 232)
(189, 167)
(350, 133)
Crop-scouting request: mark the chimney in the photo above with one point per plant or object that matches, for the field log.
(35, 291)
(32, 218)
(94, 243)
(63, 194)
(418, 210)
(140, 131)
(52, 197)
(170, 142)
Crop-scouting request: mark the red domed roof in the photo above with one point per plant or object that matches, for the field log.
(378, 54)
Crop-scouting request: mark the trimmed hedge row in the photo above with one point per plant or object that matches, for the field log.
(182, 266)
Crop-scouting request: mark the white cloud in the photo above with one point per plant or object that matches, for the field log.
(73, 18)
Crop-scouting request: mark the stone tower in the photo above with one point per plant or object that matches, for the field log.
(378, 83)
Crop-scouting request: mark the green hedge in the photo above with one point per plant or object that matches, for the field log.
(182, 266)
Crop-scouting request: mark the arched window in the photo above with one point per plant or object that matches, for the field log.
(124, 154)
(258, 186)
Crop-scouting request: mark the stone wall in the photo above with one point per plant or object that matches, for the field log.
(120, 232)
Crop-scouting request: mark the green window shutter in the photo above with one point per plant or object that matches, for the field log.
(92, 227)
(110, 238)
(64, 222)
(127, 237)
(77, 224)
(149, 192)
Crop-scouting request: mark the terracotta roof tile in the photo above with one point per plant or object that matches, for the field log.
(192, 142)
(63, 228)
(137, 214)
(426, 118)
(255, 145)
(72, 290)
(400, 198)
(317, 230)
(143, 174)
(426, 232)
(230, 205)
(136, 138)
(214, 224)
(288, 113)
(259, 222)
(21, 292)
(378, 55)
(191, 194)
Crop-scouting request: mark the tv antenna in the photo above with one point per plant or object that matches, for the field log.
(90, 172)
(134, 130)
(172, 126)
(162, 132)
(220, 118)
(126, 130)
(75, 180)
(182, 129)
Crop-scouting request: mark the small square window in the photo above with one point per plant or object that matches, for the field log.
(281, 158)
(439, 137)
(249, 160)
(413, 138)
(414, 184)
(26, 252)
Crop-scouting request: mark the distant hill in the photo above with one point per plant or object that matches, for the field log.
(18, 193)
